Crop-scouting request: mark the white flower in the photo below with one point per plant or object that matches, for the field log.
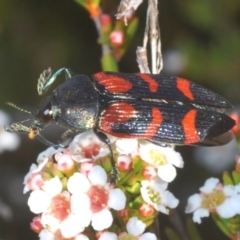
(127, 146)
(98, 197)
(86, 146)
(135, 230)
(225, 200)
(154, 192)
(162, 158)
(46, 235)
(8, 141)
(40, 200)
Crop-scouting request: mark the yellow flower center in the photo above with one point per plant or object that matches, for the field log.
(214, 199)
(157, 157)
(127, 237)
(154, 195)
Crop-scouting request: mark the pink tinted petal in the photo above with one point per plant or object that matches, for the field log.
(200, 213)
(167, 172)
(102, 220)
(148, 236)
(194, 202)
(209, 185)
(108, 236)
(117, 199)
(86, 167)
(78, 183)
(135, 227)
(97, 176)
(36, 182)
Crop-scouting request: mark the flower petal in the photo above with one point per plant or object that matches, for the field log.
(209, 185)
(102, 220)
(71, 226)
(135, 226)
(117, 199)
(108, 235)
(52, 187)
(126, 146)
(147, 236)
(194, 202)
(38, 201)
(44, 234)
(97, 176)
(167, 172)
(200, 213)
(78, 183)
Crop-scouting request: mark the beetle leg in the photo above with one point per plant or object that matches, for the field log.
(47, 78)
(66, 138)
(46, 142)
(103, 137)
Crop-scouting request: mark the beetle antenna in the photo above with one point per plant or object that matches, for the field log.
(18, 108)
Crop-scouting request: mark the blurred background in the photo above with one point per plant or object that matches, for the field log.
(200, 41)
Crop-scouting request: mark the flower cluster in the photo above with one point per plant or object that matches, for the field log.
(73, 198)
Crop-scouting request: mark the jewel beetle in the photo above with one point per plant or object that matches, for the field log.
(161, 109)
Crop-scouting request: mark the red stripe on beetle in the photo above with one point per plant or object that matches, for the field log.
(112, 83)
(189, 127)
(184, 86)
(153, 126)
(153, 85)
(118, 112)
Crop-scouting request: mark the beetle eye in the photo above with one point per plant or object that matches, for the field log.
(44, 113)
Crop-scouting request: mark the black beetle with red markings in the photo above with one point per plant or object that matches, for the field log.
(158, 108)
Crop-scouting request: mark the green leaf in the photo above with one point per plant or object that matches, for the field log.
(227, 179)
(171, 234)
(82, 3)
(236, 177)
(192, 230)
(221, 223)
(109, 63)
(129, 34)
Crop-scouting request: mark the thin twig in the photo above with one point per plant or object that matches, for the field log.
(152, 32)
(105, 48)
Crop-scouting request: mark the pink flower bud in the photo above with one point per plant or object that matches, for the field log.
(117, 38)
(65, 163)
(149, 172)
(86, 167)
(123, 213)
(124, 162)
(36, 224)
(235, 116)
(105, 19)
(146, 210)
